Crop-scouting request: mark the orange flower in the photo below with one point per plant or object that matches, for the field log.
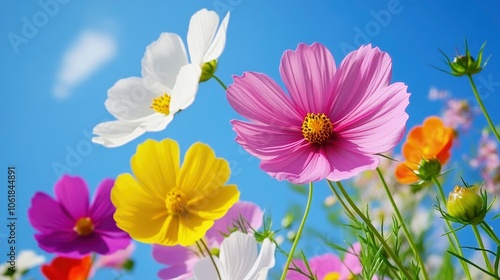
(64, 268)
(427, 147)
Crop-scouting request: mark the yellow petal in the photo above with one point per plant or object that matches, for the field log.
(169, 233)
(215, 204)
(192, 229)
(156, 166)
(201, 171)
(137, 211)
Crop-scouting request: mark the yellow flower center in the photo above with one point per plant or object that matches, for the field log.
(332, 276)
(161, 104)
(84, 226)
(176, 202)
(317, 128)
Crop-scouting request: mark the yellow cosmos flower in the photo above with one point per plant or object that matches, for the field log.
(164, 203)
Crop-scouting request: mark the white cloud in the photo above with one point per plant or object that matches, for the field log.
(90, 51)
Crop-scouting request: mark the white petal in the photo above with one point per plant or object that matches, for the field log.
(29, 259)
(202, 28)
(185, 87)
(205, 270)
(238, 253)
(156, 122)
(116, 133)
(163, 59)
(129, 100)
(264, 262)
(219, 42)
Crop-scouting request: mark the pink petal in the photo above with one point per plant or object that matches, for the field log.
(352, 264)
(116, 259)
(251, 213)
(102, 209)
(322, 265)
(258, 98)
(114, 242)
(294, 275)
(307, 73)
(180, 261)
(264, 141)
(347, 161)
(57, 241)
(172, 255)
(378, 124)
(177, 272)
(302, 165)
(73, 195)
(46, 215)
(360, 74)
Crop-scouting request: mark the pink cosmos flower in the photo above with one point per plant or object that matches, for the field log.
(115, 260)
(181, 260)
(488, 161)
(333, 120)
(458, 114)
(329, 266)
(69, 226)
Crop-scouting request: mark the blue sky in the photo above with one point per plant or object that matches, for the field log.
(55, 87)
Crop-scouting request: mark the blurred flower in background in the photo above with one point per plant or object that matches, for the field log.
(329, 266)
(26, 260)
(68, 268)
(69, 225)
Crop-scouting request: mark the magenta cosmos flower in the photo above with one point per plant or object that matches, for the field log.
(329, 266)
(333, 121)
(181, 260)
(67, 225)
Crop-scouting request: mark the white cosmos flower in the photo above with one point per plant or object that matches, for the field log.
(26, 260)
(238, 260)
(169, 82)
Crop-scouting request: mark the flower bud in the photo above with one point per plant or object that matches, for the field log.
(466, 205)
(215, 252)
(428, 168)
(330, 201)
(290, 235)
(207, 70)
(287, 221)
(466, 64)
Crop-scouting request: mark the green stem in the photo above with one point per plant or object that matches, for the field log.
(486, 115)
(211, 258)
(455, 245)
(388, 249)
(220, 82)
(299, 232)
(481, 245)
(200, 249)
(490, 232)
(403, 225)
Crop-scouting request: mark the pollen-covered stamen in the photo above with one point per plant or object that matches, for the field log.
(317, 128)
(176, 202)
(161, 104)
(332, 276)
(84, 226)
